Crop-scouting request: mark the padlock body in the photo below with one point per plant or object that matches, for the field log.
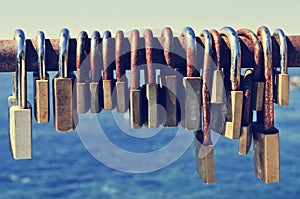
(233, 127)
(283, 89)
(108, 87)
(152, 98)
(266, 153)
(258, 89)
(245, 139)
(41, 100)
(170, 102)
(96, 97)
(82, 97)
(218, 91)
(122, 96)
(136, 120)
(193, 96)
(20, 132)
(63, 104)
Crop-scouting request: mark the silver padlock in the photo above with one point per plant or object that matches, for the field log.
(20, 122)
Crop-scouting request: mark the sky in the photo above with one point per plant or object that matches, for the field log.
(51, 16)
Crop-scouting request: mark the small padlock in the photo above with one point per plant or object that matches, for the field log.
(41, 83)
(192, 83)
(151, 87)
(122, 81)
(136, 118)
(96, 87)
(258, 83)
(63, 88)
(20, 123)
(235, 98)
(266, 136)
(247, 114)
(82, 72)
(108, 81)
(282, 79)
(203, 143)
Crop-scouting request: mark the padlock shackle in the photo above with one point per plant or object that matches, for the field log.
(205, 34)
(63, 49)
(217, 47)
(167, 43)
(21, 75)
(283, 50)
(235, 68)
(257, 51)
(107, 59)
(120, 69)
(189, 44)
(134, 70)
(40, 39)
(268, 111)
(148, 36)
(95, 57)
(81, 54)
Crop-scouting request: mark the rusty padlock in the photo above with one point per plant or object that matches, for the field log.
(20, 122)
(122, 81)
(108, 81)
(282, 79)
(41, 83)
(235, 98)
(136, 119)
(63, 88)
(96, 87)
(82, 72)
(266, 136)
(247, 113)
(151, 87)
(204, 146)
(192, 83)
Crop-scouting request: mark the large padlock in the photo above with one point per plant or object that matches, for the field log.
(20, 123)
(192, 83)
(235, 98)
(247, 114)
(82, 72)
(96, 87)
(168, 81)
(63, 88)
(282, 79)
(122, 81)
(136, 118)
(41, 83)
(151, 87)
(203, 143)
(108, 81)
(258, 83)
(266, 136)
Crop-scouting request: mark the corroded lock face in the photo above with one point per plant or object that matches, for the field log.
(217, 95)
(152, 98)
(108, 87)
(135, 109)
(122, 96)
(41, 98)
(283, 89)
(83, 97)
(96, 92)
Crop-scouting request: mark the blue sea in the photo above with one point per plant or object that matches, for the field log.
(62, 167)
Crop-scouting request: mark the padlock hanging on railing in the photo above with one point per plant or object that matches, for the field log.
(266, 136)
(20, 122)
(41, 83)
(235, 98)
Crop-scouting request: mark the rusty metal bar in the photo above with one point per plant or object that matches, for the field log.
(8, 53)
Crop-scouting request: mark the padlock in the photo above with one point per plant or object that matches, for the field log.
(266, 136)
(82, 72)
(235, 98)
(136, 118)
(63, 88)
(151, 87)
(192, 83)
(108, 81)
(204, 145)
(41, 83)
(168, 80)
(122, 81)
(20, 123)
(258, 83)
(247, 114)
(96, 87)
(282, 79)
